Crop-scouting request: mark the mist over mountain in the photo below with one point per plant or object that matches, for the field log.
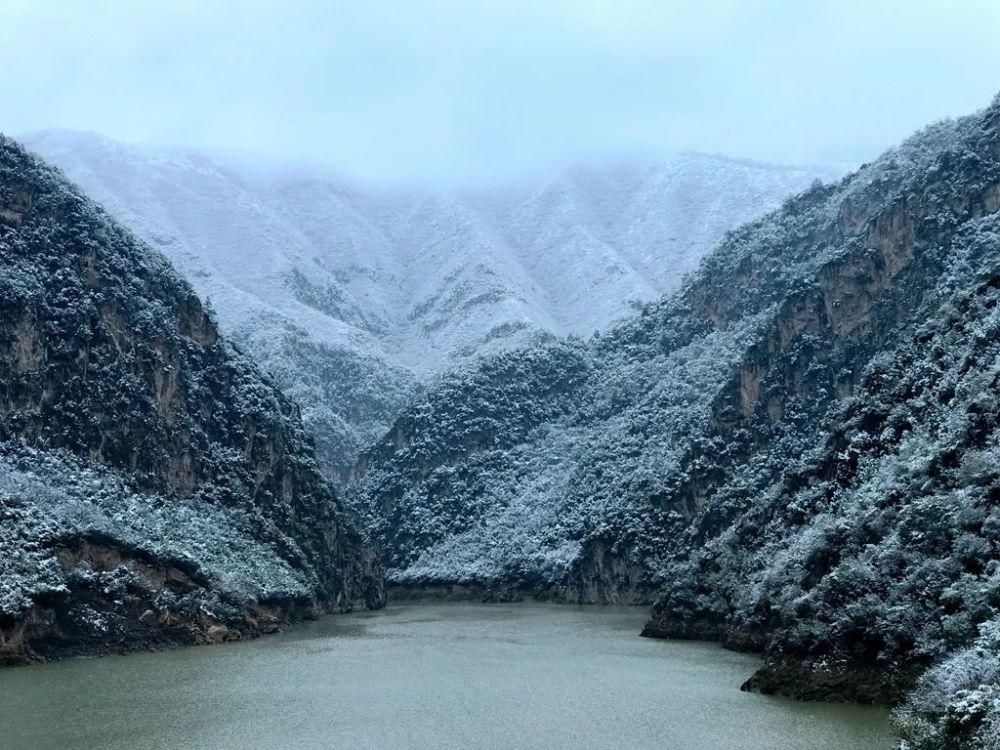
(571, 375)
(354, 297)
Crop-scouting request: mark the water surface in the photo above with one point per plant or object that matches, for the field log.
(423, 677)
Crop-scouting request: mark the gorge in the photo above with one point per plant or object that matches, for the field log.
(792, 451)
(434, 676)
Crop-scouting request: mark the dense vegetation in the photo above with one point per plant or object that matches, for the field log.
(795, 453)
(154, 485)
(346, 397)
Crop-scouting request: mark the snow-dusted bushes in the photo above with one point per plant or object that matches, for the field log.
(957, 703)
(798, 450)
(134, 437)
(50, 501)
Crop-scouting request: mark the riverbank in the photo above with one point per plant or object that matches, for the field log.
(507, 593)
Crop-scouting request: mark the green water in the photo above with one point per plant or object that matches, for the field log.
(460, 676)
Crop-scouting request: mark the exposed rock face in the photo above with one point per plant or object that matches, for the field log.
(797, 450)
(138, 446)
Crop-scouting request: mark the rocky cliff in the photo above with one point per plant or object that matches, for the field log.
(795, 453)
(155, 487)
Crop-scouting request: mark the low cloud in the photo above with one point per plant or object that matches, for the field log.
(466, 91)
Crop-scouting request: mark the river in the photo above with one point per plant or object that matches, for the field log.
(441, 677)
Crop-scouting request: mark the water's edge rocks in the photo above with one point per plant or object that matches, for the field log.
(843, 682)
(794, 676)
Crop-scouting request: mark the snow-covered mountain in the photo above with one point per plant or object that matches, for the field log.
(797, 452)
(351, 297)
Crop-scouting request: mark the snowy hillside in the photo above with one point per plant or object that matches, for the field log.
(797, 452)
(155, 488)
(352, 297)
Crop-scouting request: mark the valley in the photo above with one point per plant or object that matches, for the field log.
(786, 445)
(354, 297)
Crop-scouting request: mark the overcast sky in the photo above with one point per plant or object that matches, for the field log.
(467, 91)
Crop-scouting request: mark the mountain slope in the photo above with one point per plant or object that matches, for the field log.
(354, 297)
(154, 486)
(794, 452)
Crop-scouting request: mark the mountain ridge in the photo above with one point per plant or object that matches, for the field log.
(378, 291)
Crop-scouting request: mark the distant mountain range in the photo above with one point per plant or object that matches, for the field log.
(352, 297)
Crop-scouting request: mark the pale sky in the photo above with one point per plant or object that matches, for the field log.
(404, 90)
